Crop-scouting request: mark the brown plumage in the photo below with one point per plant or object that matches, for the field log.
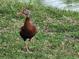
(28, 30)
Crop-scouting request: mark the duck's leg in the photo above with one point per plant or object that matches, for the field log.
(27, 45)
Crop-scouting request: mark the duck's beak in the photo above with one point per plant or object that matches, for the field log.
(21, 14)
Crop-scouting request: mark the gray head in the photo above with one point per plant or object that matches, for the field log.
(26, 12)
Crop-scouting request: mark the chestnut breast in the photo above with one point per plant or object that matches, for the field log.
(28, 25)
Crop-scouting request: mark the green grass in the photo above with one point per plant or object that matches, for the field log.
(57, 37)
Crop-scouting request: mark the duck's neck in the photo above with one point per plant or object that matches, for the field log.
(27, 18)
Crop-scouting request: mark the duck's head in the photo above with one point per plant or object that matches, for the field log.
(25, 13)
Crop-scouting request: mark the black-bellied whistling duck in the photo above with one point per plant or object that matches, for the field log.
(28, 30)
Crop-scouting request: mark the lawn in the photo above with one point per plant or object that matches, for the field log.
(57, 37)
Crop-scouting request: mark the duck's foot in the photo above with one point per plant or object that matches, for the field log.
(26, 50)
